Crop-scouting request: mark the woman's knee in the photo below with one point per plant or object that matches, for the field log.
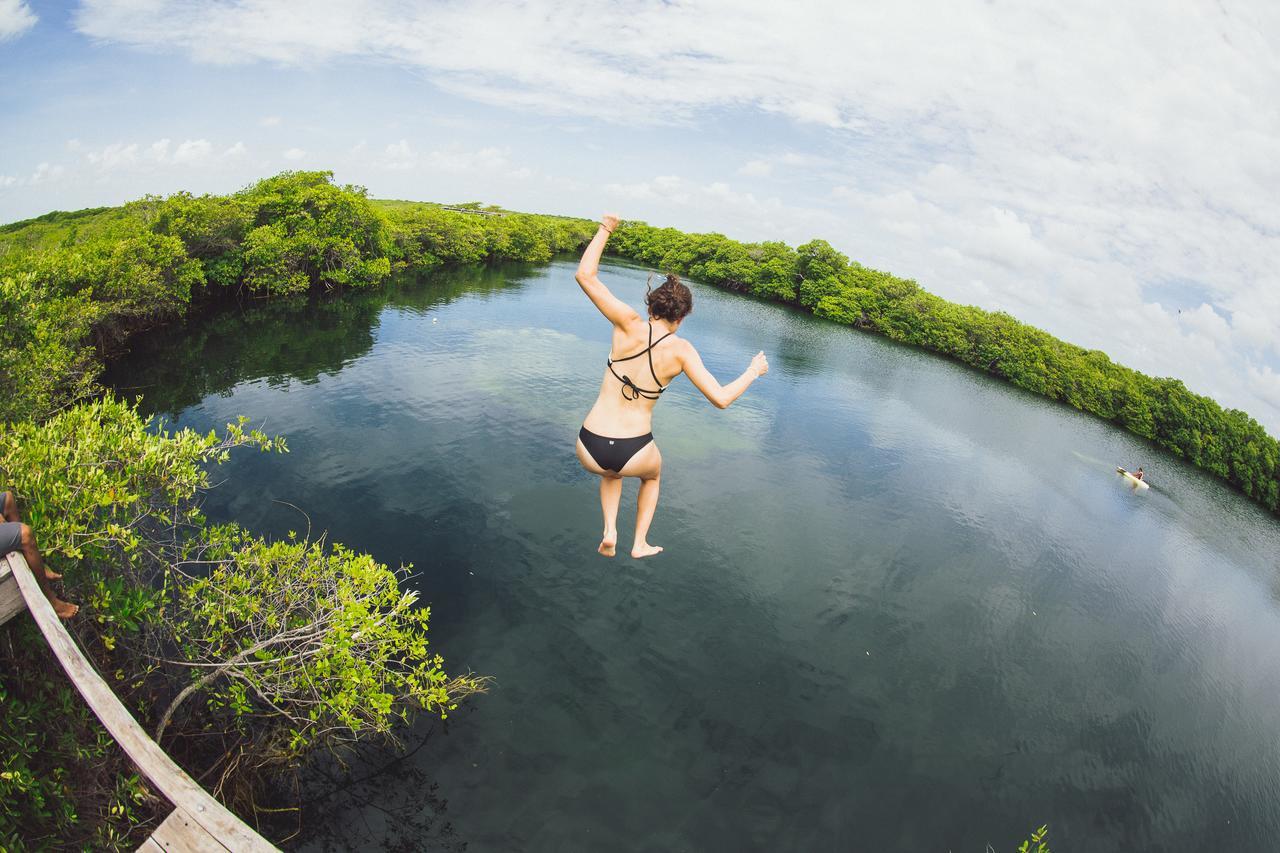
(28, 538)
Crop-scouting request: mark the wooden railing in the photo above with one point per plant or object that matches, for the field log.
(198, 822)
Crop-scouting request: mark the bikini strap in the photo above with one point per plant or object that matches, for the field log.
(652, 344)
(627, 383)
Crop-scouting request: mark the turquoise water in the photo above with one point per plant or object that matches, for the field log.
(902, 606)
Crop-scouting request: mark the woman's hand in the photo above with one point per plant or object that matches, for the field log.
(610, 222)
(760, 364)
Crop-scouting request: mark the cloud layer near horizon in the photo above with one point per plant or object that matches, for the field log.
(1109, 173)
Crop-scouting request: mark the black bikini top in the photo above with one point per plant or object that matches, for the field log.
(630, 390)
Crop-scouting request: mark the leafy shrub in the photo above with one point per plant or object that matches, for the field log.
(288, 647)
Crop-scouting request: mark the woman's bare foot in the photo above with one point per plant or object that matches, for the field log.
(644, 549)
(50, 574)
(64, 609)
(609, 544)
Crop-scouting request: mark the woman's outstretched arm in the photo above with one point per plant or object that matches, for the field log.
(720, 395)
(618, 312)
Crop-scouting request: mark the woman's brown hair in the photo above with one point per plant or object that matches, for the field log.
(671, 301)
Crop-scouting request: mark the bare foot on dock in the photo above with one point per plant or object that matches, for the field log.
(64, 609)
(644, 549)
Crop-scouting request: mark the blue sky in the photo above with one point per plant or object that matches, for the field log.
(1111, 174)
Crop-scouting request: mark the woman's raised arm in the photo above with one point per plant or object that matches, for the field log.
(720, 395)
(614, 309)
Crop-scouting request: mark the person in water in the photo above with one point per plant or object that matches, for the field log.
(616, 440)
(1138, 474)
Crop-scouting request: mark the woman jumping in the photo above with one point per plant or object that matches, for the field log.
(615, 440)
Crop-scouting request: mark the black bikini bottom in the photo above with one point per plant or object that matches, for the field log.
(612, 454)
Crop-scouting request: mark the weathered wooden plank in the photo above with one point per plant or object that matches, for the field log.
(170, 779)
(11, 601)
(150, 846)
(180, 834)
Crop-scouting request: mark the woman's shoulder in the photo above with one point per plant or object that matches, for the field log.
(680, 347)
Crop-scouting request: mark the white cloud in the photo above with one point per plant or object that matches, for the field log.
(237, 150)
(673, 199)
(458, 159)
(756, 169)
(16, 18)
(122, 155)
(7, 181)
(1205, 321)
(193, 151)
(114, 156)
(46, 172)
(668, 188)
(269, 121)
(1265, 382)
(487, 161)
(399, 155)
(294, 154)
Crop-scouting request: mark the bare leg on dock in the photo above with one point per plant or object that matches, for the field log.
(26, 543)
(10, 509)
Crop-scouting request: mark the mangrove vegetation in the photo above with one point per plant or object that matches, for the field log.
(248, 658)
(245, 658)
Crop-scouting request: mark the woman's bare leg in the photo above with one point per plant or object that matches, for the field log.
(646, 503)
(647, 465)
(610, 497)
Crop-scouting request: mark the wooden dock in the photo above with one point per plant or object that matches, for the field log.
(199, 823)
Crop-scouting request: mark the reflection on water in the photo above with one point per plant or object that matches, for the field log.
(902, 606)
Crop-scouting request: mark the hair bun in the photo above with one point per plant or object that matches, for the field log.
(672, 300)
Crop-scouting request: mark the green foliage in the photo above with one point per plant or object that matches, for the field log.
(45, 360)
(283, 648)
(820, 268)
(315, 233)
(148, 277)
(1036, 843)
(817, 278)
(98, 479)
(325, 637)
(428, 235)
(63, 781)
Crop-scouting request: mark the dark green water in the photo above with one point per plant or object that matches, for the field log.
(902, 606)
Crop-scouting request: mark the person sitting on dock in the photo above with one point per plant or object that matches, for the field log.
(16, 536)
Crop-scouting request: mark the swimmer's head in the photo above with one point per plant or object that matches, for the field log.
(671, 301)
